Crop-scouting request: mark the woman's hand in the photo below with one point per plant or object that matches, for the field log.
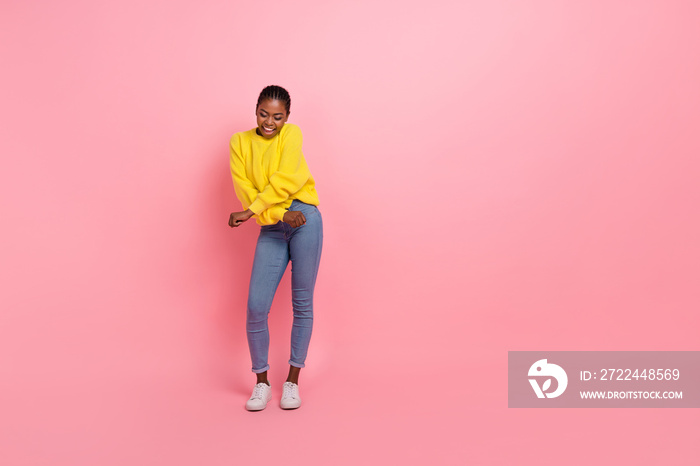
(294, 218)
(237, 218)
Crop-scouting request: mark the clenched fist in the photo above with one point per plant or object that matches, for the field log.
(237, 218)
(294, 218)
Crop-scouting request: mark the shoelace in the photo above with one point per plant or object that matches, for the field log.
(288, 390)
(258, 391)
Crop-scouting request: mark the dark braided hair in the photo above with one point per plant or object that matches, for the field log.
(276, 93)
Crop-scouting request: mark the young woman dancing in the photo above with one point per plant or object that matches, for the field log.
(274, 184)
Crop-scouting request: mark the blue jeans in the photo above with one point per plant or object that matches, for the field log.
(277, 245)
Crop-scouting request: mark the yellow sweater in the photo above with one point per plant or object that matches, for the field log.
(268, 174)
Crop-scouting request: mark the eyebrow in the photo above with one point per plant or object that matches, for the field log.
(263, 110)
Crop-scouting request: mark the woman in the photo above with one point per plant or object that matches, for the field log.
(274, 184)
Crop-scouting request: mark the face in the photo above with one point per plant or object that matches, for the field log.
(272, 116)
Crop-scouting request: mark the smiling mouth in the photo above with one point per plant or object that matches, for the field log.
(268, 130)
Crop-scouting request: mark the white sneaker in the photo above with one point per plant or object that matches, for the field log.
(262, 393)
(290, 396)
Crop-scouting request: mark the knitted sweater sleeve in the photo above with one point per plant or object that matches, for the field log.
(246, 192)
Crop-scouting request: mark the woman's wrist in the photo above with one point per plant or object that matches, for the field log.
(249, 213)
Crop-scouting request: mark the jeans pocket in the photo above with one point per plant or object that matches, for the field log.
(312, 212)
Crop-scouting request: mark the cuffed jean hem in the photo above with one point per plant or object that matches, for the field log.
(260, 371)
(296, 364)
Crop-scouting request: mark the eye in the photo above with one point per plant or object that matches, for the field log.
(278, 118)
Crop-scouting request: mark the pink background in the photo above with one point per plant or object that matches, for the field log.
(493, 176)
